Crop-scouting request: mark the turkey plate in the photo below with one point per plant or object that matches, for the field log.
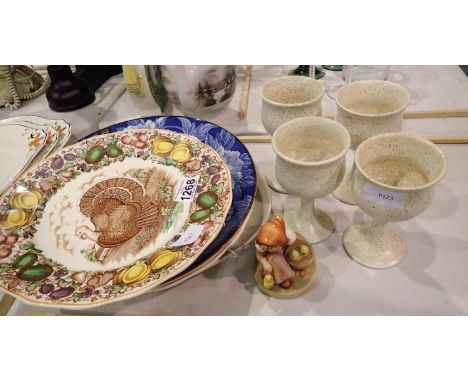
(111, 217)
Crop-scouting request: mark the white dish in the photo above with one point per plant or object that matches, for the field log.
(61, 127)
(50, 142)
(18, 147)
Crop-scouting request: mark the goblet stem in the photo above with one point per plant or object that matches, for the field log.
(308, 211)
(377, 227)
(344, 192)
(312, 223)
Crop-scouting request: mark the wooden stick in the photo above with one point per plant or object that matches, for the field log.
(447, 139)
(5, 304)
(435, 114)
(245, 93)
(455, 113)
(255, 138)
(441, 139)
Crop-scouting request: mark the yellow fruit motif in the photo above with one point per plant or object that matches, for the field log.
(162, 148)
(136, 273)
(161, 138)
(4, 224)
(181, 154)
(162, 261)
(27, 200)
(37, 191)
(118, 278)
(182, 144)
(162, 145)
(304, 249)
(295, 255)
(268, 281)
(14, 201)
(164, 258)
(15, 218)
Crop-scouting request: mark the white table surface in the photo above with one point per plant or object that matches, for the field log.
(431, 280)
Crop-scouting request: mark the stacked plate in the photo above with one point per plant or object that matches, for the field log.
(26, 141)
(142, 204)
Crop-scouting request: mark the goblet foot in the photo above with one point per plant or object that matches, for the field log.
(315, 228)
(381, 248)
(344, 191)
(272, 181)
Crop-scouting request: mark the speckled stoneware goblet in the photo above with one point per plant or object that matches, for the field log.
(287, 98)
(394, 181)
(368, 108)
(310, 163)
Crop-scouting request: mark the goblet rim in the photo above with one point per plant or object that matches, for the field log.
(373, 115)
(422, 140)
(290, 105)
(336, 158)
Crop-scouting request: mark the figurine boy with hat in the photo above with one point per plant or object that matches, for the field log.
(286, 261)
(272, 241)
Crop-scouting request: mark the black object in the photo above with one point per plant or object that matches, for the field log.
(96, 75)
(66, 91)
(71, 91)
(303, 70)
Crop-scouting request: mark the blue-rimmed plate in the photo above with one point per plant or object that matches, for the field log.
(231, 150)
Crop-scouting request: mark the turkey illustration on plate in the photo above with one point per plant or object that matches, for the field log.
(108, 217)
(117, 213)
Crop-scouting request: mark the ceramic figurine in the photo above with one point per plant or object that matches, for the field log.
(19, 83)
(286, 261)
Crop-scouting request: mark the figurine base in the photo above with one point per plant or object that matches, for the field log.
(374, 249)
(301, 284)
